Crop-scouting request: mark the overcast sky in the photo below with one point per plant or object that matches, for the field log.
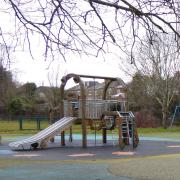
(28, 70)
(37, 70)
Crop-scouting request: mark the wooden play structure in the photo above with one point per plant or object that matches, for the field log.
(100, 114)
(108, 114)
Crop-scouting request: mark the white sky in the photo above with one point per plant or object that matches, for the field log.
(28, 70)
(37, 70)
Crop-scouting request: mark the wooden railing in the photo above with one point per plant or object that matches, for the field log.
(93, 108)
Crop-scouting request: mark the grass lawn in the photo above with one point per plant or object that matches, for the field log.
(30, 127)
(173, 132)
(12, 126)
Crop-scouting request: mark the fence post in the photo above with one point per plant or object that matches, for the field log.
(38, 123)
(20, 123)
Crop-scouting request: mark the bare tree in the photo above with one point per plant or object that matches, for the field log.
(7, 82)
(160, 62)
(7, 86)
(6, 57)
(80, 26)
(53, 94)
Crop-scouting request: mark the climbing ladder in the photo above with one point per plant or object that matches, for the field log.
(129, 132)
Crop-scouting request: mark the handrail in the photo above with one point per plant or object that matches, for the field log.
(94, 108)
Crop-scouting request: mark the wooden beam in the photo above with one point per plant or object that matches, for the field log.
(98, 77)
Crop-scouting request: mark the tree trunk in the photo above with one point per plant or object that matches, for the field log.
(164, 119)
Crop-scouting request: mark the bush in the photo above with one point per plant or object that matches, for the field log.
(19, 105)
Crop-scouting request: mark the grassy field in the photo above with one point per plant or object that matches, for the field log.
(13, 127)
(30, 127)
(173, 132)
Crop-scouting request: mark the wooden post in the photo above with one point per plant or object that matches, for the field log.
(104, 135)
(77, 79)
(84, 134)
(61, 109)
(119, 125)
(63, 138)
(104, 131)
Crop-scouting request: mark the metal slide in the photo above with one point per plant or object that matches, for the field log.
(40, 139)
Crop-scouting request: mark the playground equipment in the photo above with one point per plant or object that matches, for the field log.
(40, 139)
(176, 114)
(108, 114)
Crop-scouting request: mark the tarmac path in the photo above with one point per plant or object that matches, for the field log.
(152, 160)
